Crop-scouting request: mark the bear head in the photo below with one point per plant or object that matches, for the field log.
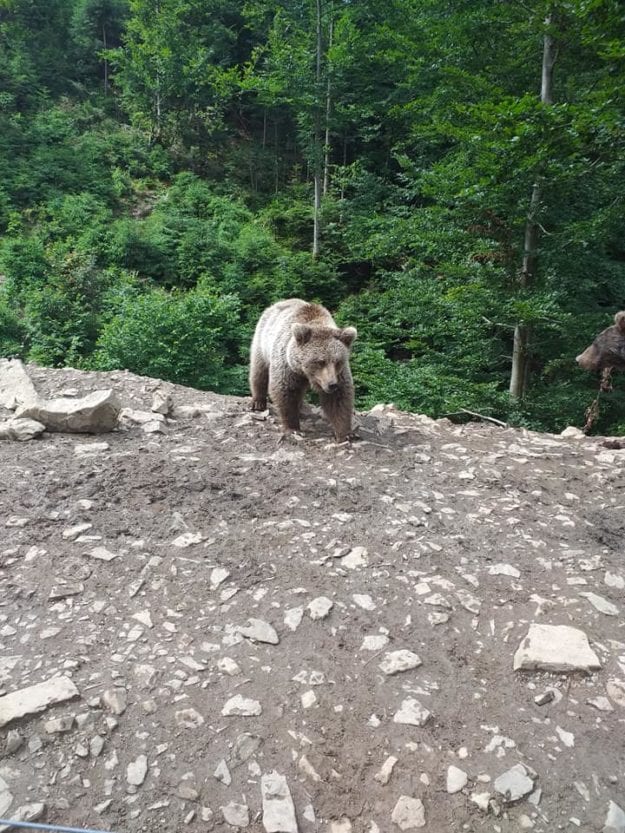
(608, 349)
(321, 354)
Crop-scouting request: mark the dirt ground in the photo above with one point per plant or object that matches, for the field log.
(447, 541)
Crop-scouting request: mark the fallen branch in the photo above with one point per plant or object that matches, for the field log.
(479, 416)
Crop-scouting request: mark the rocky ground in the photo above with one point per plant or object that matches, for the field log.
(305, 637)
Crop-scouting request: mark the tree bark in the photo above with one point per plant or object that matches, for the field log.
(521, 351)
(326, 145)
(106, 63)
(317, 151)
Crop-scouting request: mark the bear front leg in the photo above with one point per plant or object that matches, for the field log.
(338, 409)
(288, 401)
(259, 382)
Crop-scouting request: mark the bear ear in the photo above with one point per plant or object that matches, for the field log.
(301, 333)
(619, 320)
(347, 336)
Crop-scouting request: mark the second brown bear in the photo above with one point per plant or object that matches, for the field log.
(297, 346)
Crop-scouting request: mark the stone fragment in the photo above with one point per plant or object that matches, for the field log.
(259, 631)
(36, 698)
(356, 557)
(72, 532)
(24, 813)
(555, 648)
(6, 797)
(614, 580)
(90, 449)
(567, 738)
(615, 819)
(115, 700)
(602, 704)
(16, 387)
(278, 807)
(396, 661)
(137, 770)
(364, 601)
(102, 554)
(218, 576)
(468, 601)
(241, 706)
(59, 724)
(320, 607)
(189, 719)
(133, 416)
(21, 429)
(482, 800)
(408, 813)
(228, 666)
(601, 604)
(222, 773)
(96, 413)
(187, 539)
(411, 713)
(244, 747)
(544, 698)
(236, 815)
(515, 783)
(343, 825)
(14, 741)
(96, 745)
(386, 770)
(504, 570)
(616, 691)
(456, 779)
(293, 618)
(374, 642)
(161, 403)
(63, 591)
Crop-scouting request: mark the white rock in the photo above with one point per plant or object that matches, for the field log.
(616, 691)
(241, 706)
(26, 812)
(567, 738)
(222, 773)
(293, 618)
(308, 698)
(356, 557)
(278, 807)
(218, 576)
(137, 770)
(144, 617)
(601, 604)
(573, 433)
(189, 718)
(386, 770)
(102, 554)
(6, 797)
(187, 539)
(412, 713)
(161, 402)
(468, 601)
(555, 648)
(96, 413)
(456, 779)
(396, 661)
(515, 783)
(259, 631)
(364, 601)
(36, 698)
(21, 430)
(228, 666)
(374, 642)
(408, 813)
(504, 570)
(115, 700)
(87, 449)
(130, 416)
(16, 387)
(601, 703)
(72, 532)
(482, 800)
(236, 815)
(615, 820)
(343, 825)
(614, 580)
(320, 607)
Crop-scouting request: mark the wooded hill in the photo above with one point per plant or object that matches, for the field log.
(446, 175)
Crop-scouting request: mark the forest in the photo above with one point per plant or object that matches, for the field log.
(445, 175)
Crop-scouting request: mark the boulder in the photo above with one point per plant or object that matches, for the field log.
(95, 413)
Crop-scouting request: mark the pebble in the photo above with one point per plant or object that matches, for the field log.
(320, 607)
(601, 604)
(456, 779)
(615, 819)
(222, 773)
(236, 815)
(364, 601)
(24, 813)
(293, 618)
(412, 713)
(396, 661)
(515, 783)
(228, 666)
(386, 770)
(241, 706)
(567, 738)
(356, 557)
(137, 770)
(115, 700)
(189, 718)
(259, 631)
(408, 813)
(374, 642)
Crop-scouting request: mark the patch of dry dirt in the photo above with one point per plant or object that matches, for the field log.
(443, 540)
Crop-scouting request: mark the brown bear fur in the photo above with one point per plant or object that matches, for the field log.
(297, 346)
(608, 349)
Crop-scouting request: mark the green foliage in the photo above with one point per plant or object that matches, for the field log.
(185, 337)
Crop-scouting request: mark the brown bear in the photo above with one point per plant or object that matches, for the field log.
(297, 346)
(608, 349)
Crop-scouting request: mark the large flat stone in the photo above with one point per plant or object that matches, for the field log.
(555, 648)
(95, 413)
(20, 429)
(278, 808)
(36, 698)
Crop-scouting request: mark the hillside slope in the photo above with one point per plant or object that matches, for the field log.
(446, 541)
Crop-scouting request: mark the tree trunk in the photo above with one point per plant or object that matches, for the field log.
(521, 351)
(317, 139)
(106, 62)
(326, 145)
